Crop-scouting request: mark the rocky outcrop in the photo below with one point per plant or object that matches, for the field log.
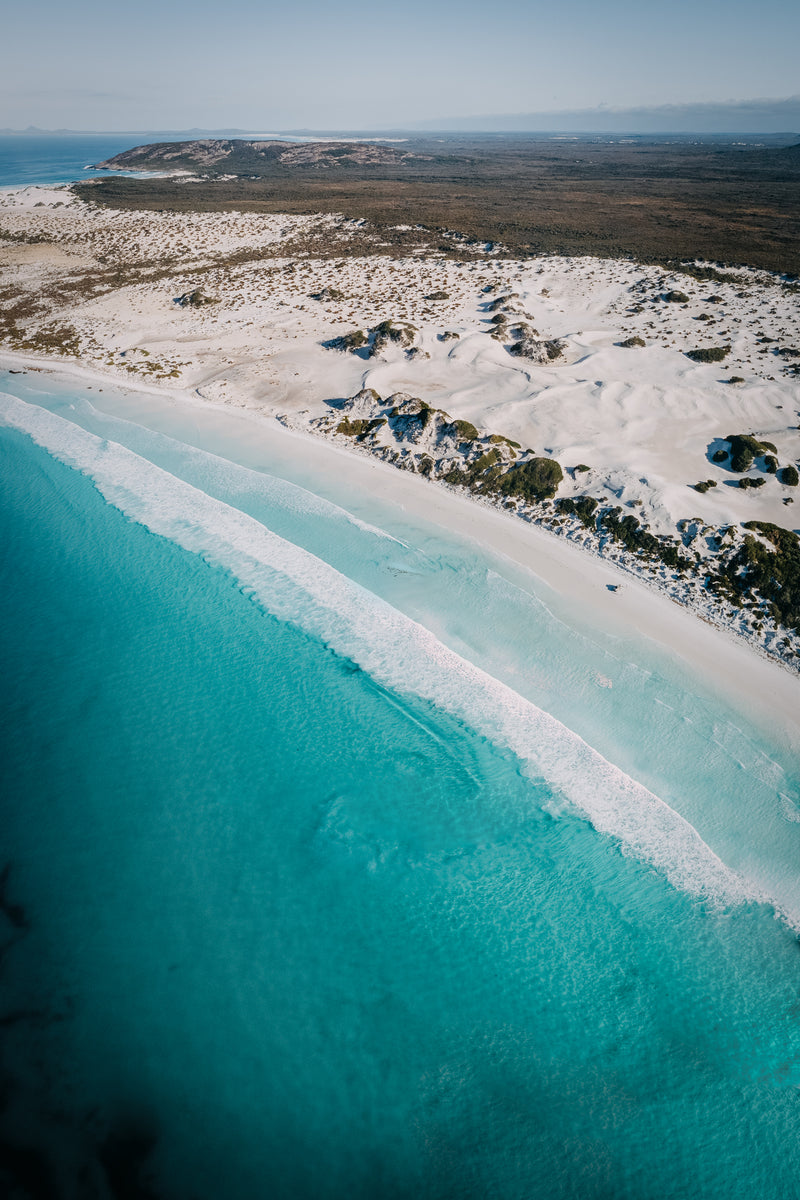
(409, 432)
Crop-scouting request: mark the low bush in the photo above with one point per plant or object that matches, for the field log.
(584, 508)
(534, 480)
(708, 354)
(745, 448)
(348, 341)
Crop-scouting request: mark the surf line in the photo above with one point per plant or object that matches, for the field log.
(399, 653)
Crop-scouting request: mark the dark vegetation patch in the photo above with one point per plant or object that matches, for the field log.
(375, 340)
(770, 573)
(359, 428)
(463, 431)
(535, 480)
(709, 354)
(632, 342)
(745, 449)
(640, 541)
(660, 203)
(584, 508)
(355, 340)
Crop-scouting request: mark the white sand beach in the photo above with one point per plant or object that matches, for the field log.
(94, 292)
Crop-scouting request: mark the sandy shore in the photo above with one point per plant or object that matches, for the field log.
(763, 691)
(95, 292)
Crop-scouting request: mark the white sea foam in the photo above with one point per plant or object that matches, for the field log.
(235, 478)
(401, 654)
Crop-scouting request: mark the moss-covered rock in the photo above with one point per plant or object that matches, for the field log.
(462, 431)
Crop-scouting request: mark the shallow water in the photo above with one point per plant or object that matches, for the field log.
(346, 872)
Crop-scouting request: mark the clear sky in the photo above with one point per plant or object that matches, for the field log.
(175, 64)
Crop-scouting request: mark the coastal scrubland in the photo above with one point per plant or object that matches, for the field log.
(654, 201)
(644, 407)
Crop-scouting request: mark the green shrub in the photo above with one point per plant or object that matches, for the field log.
(675, 297)
(770, 464)
(751, 483)
(584, 508)
(348, 341)
(534, 480)
(359, 428)
(581, 468)
(630, 342)
(705, 485)
(639, 540)
(744, 448)
(498, 439)
(789, 476)
(708, 354)
(719, 456)
(773, 574)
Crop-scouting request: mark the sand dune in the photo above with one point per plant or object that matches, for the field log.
(98, 288)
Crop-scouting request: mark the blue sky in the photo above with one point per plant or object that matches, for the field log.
(177, 65)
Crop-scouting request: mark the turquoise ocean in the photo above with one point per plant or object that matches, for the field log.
(343, 858)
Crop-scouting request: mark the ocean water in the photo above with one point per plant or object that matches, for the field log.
(343, 858)
(52, 159)
(344, 861)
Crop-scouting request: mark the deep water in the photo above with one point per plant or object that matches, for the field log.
(275, 928)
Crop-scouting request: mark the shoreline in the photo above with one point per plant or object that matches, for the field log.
(759, 687)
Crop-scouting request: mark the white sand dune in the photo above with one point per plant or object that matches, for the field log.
(644, 419)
